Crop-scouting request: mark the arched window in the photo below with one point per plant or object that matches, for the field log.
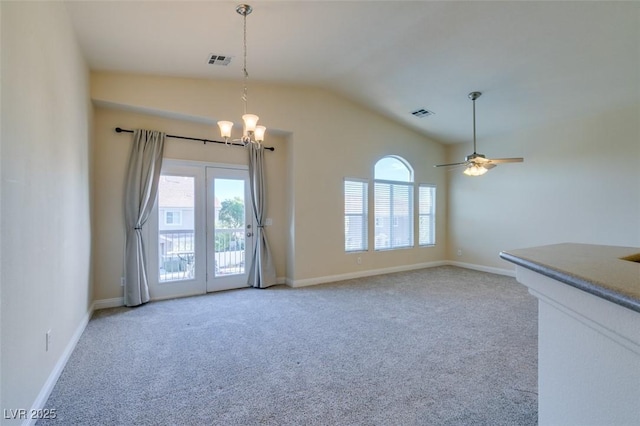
(393, 168)
(393, 201)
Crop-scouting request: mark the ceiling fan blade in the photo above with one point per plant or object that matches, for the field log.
(480, 159)
(489, 166)
(507, 160)
(452, 164)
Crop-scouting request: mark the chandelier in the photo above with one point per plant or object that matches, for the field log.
(252, 133)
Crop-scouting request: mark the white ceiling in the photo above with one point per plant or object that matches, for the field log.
(533, 61)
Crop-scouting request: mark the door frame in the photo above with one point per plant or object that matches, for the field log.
(196, 285)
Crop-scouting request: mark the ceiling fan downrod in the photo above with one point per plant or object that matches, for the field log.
(473, 96)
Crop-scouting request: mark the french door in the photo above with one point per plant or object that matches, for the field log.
(201, 230)
(230, 228)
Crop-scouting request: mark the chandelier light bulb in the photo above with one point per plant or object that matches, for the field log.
(259, 133)
(225, 128)
(250, 122)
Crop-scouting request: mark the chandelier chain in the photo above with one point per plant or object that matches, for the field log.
(244, 69)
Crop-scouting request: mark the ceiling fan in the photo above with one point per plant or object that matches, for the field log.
(477, 164)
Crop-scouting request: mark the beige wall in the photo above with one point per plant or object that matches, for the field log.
(111, 153)
(330, 138)
(45, 195)
(580, 182)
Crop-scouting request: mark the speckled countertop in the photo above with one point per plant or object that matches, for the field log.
(599, 270)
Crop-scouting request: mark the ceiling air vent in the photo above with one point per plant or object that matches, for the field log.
(421, 113)
(219, 59)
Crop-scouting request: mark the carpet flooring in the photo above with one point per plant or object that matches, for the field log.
(438, 346)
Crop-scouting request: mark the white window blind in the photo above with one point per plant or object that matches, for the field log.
(426, 215)
(355, 215)
(393, 201)
(394, 215)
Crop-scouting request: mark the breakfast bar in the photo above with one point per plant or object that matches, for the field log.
(588, 331)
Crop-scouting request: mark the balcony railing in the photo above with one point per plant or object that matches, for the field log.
(177, 255)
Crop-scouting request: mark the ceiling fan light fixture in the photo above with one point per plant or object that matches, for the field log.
(477, 164)
(475, 170)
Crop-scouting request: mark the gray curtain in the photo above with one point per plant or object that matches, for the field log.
(262, 273)
(141, 190)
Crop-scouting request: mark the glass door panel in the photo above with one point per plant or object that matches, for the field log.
(230, 217)
(229, 226)
(176, 234)
(176, 231)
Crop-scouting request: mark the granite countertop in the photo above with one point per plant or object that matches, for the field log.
(599, 270)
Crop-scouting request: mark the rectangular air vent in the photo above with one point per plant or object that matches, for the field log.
(219, 59)
(420, 113)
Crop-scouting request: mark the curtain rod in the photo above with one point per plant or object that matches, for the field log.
(270, 148)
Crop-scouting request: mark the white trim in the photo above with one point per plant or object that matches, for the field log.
(48, 386)
(617, 336)
(107, 303)
(341, 277)
(351, 275)
(482, 268)
(174, 162)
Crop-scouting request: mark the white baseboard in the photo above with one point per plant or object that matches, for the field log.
(490, 269)
(351, 275)
(116, 302)
(119, 301)
(48, 386)
(359, 274)
(107, 303)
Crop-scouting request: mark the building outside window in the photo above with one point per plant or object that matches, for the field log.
(173, 217)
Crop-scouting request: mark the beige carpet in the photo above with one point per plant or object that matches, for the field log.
(439, 346)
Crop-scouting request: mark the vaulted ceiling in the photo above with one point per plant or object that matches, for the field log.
(535, 62)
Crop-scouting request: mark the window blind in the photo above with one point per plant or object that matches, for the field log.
(356, 215)
(426, 215)
(393, 215)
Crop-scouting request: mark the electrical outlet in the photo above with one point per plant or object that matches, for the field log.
(268, 222)
(48, 342)
(459, 252)
(121, 281)
(359, 260)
